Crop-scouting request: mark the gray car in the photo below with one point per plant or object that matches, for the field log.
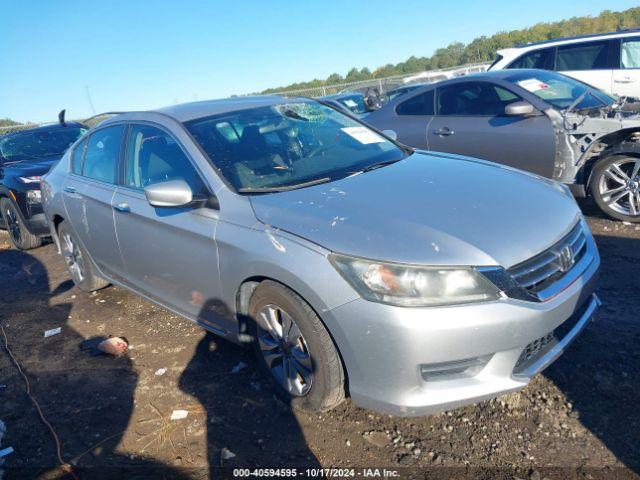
(350, 264)
(536, 120)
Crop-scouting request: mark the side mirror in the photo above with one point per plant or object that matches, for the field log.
(519, 109)
(391, 134)
(174, 193)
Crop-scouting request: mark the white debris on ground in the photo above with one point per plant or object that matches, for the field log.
(160, 372)
(179, 414)
(52, 332)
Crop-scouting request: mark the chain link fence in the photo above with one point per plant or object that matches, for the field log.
(382, 85)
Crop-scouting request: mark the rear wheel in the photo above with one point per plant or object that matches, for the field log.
(78, 262)
(615, 186)
(19, 236)
(294, 349)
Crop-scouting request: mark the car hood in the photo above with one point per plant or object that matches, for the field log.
(428, 209)
(30, 168)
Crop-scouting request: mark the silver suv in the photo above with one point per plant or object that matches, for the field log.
(426, 280)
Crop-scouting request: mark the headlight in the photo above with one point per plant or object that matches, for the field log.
(34, 196)
(414, 286)
(35, 179)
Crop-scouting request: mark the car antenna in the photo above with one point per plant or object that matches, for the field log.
(61, 117)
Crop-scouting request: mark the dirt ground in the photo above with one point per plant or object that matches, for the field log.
(580, 417)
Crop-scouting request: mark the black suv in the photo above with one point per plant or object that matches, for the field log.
(24, 157)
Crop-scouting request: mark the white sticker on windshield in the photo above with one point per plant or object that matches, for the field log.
(363, 135)
(350, 103)
(533, 84)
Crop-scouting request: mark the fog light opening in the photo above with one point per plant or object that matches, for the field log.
(466, 368)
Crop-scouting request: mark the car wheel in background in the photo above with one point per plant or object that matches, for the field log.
(18, 234)
(615, 186)
(78, 262)
(294, 349)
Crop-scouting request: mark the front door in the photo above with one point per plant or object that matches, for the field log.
(170, 253)
(470, 120)
(589, 62)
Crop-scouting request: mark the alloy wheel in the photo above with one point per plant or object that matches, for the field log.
(13, 225)
(284, 350)
(73, 257)
(619, 186)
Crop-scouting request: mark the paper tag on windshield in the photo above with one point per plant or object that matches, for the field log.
(533, 84)
(350, 103)
(363, 135)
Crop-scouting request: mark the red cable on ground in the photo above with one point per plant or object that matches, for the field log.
(65, 466)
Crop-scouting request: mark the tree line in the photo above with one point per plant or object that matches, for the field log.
(483, 49)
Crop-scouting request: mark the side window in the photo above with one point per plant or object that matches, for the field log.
(583, 56)
(630, 53)
(474, 99)
(542, 59)
(101, 154)
(419, 105)
(153, 156)
(76, 157)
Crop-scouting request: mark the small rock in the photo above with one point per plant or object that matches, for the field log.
(160, 372)
(379, 439)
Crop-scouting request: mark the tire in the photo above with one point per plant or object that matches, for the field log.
(19, 236)
(323, 388)
(615, 187)
(79, 264)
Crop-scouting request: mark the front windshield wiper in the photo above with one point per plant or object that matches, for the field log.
(284, 188)
(375, 166)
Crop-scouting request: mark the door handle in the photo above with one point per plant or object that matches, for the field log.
(122, 207)
(444, 132)
(69, 189)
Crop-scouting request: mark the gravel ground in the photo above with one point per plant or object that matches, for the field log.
(580, 417)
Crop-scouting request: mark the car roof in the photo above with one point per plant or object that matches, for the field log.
(574, 39)
(44, 128)
(193, 110)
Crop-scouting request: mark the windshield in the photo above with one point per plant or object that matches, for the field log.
(354, 103)
(289, 145)
(37, 145)
(560, 91)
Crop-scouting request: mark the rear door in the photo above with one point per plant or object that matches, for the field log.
(590, 62)
(170, 253)
(411, 118)
(88, 195)
(470, 120)
(626, 75)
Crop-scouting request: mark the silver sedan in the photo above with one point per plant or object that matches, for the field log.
(428, 281)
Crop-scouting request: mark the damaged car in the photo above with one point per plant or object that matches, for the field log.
(350, 264)
(536, 120)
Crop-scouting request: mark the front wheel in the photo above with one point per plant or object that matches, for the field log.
(615, 186)
(294, 349)
(78, 262)
(19, 236)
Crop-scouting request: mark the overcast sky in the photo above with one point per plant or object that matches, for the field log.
(129, 54)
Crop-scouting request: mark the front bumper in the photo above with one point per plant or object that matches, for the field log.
(387, 349)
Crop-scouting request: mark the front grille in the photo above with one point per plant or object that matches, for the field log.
(542, 345)
(541, 271)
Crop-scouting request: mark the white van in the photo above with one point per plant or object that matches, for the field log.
(609, 61)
